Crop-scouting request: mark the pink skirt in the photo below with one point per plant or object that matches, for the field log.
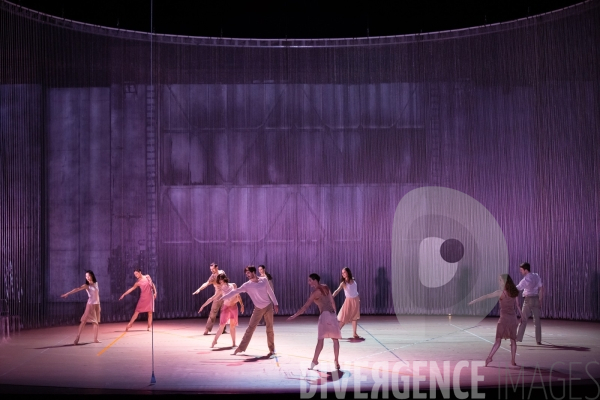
(350, 310)
(91, 314)
(229, 314)
(329, 326)
(507, 327)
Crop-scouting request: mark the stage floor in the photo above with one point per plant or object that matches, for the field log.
(412, 354)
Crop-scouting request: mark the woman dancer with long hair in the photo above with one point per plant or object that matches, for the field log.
(92, 307)
(229, 310)
(147, 296)
(507, 324)
(328, 324)
(350, 310)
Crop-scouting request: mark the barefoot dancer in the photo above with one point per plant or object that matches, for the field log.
(264, 303)
(216, 305)
(229, 310)
(92, 308)
(328, 324)
(507, 324)
(350, 310)
(147, 296)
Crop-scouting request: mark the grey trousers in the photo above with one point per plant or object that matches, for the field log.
(212, 317)
(257, 314)
(531, 305)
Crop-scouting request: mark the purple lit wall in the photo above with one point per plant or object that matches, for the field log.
(118, 151)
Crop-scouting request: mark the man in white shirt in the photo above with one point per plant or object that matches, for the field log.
(264, 301)
(216, 305)
(533, 293)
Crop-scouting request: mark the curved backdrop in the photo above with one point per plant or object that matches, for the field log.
(121, 150)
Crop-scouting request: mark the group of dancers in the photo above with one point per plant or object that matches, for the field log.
(91, 314)
(260, 290)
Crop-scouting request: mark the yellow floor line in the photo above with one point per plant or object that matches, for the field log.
(113, 342)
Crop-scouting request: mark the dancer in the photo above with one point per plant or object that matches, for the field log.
(147, 296)
(350, 310)
(229, 310)
(92, 308)
(328, 324)
(507, 324)
(216, 305)
(533, 293)
(262, 270)
(264, 300)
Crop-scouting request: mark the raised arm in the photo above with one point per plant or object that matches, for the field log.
(80, 288)
(210, 300)
(129, 291)
(497, 293)
(303, 309)
(338, 289)
(230, 295)
(204, 285)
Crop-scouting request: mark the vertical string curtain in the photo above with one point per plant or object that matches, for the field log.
(289, 153)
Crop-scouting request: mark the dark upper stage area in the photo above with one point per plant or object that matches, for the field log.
(306, 19)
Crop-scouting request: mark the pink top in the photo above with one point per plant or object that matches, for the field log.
(146, 301)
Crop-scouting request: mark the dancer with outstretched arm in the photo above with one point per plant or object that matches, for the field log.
(350, 310)
(229, 310)
(147, 296)
(328, 325)
(216, 305)
(265, 303)
(92, 307)
(507, 324)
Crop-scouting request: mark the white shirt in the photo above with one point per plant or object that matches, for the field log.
(260, 292)
(351, 290)
(530, 284)
(93, 293)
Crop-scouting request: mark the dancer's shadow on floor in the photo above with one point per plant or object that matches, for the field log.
(555, 347)
(61, 345)
(258, 358)
(533, 370)
(223, 348)
(321, 378)
(354, 340)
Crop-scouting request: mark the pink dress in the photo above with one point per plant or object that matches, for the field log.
(507, 324)
(229, 309)
(146, 301)
(328, 326)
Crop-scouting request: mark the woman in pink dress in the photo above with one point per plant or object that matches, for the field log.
(147, 296)
(507, 324)
(328, 325)
(350, 310)
(229, 310)
(92, 308)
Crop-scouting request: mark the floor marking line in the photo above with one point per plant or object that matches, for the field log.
(471, 333)
(383, 345)
(113, 342)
